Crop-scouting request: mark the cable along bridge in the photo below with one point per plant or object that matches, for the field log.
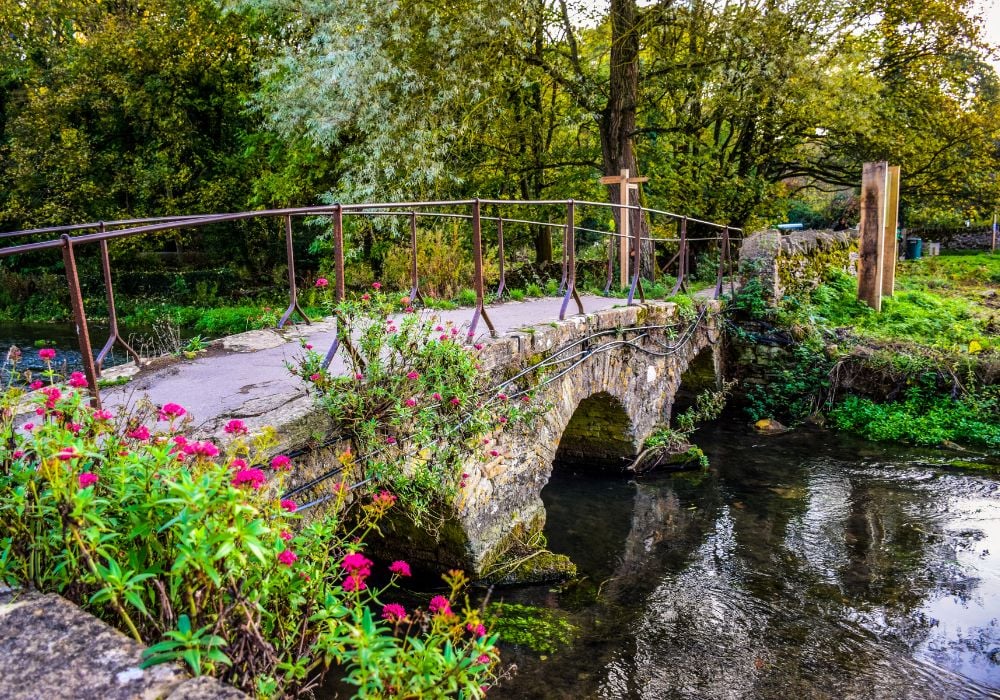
(613, 365)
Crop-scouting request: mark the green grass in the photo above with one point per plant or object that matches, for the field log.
(941, 302)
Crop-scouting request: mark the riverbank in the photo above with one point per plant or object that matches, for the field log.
(923, 371)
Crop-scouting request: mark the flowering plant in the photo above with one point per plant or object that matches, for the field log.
(187, 545)
(413, 400)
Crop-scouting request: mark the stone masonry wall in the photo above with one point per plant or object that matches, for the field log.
(793, 263)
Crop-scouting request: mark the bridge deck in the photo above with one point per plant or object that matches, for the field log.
(248, 376)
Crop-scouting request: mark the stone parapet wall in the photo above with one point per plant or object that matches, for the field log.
(794, 263)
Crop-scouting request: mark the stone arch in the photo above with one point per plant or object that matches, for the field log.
(599, 436)
(702, 372)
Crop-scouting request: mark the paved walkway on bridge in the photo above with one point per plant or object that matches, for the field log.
(248, 375)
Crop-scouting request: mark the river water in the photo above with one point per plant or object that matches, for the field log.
(806, 565)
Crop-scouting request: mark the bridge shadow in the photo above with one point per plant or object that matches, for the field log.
(599, 437)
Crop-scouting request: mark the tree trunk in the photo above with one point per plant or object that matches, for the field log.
(618, 119)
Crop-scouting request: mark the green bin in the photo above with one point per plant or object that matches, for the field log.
(914, 247)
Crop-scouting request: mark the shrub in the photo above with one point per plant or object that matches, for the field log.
(414, 403)
(187, 545)
(444, 263)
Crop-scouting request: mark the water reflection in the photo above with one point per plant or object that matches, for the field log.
(806, 564)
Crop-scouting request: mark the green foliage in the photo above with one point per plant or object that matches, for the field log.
(708, 406)
(795, 391)
(542, 630)
(186, 546)
(924, 418)
(414, 402)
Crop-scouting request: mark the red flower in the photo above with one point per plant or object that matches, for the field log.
(238, 464)
(413, 375)
(376, 286)
(281, 463)
(366, 296)
(36, 385)
(141, 433)
(254, 477)
(47, 354)
(437, 396)
(288, 557)
(236, 427)
(322, 282)
(400, 568)
(440, 605)
(170, 411)
(393, 612)
(77, 380)
(411, 402)
(286, 535)
(288, 505)
(87, 479)
(494, 453)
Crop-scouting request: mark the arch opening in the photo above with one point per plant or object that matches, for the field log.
(701, 374)
(598, 438)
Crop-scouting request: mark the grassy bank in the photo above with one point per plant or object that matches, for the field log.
(923, 371)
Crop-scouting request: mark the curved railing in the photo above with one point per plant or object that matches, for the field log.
(628, 253)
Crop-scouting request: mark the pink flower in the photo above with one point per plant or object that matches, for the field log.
(238, 464)
(494, 453)
(170, 411)
(390, 440)
(454, 331)
(87, 479)
(409, 310)
(502, 396)
(411, 402)
(366, 297)
(308, 346)
(413, 375)
(384, 498)
(288, 557)
(141, 433)
(483, 659)
(437, 396)
(393, 612)
(502, 419)
(36, 385)
(17, 454)
(440, 605)
(322, 282)
(77, 380)
(359, 376)
(47, 354)
(101, 414)
(478, 630)
(353, 583)
(392, 329)
(358, 568)
(400, 568)
(281, 463)
(478, 346)
(286, 536)
(444, 336)
(405, 301)
(288, 505)
(315, 377)
(254, 477)
(376, 286)
(75, 428)
(438, 329)
(67, 453)
(204, 449)
(455, 400)
(236, 427)
(28, 427)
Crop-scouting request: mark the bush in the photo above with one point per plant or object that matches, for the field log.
(187, 545)
(444, 264)
(414, 403)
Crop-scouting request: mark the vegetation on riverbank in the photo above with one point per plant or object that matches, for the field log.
(924, 371)
(187, 545)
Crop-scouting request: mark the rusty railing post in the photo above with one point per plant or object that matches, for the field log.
(729, 259)
(114, 335)
(477, 253)
(414, 275)
(503, 271)
(80, 319)
(571, 261)
(722, 265)
(612, 245)
(338, 253)
(636, 259)
(681, 259)
(293, 290)
(565, 263)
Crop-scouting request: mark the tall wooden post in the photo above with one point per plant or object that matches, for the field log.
(890, 246)
(872, 229)
(625, 183)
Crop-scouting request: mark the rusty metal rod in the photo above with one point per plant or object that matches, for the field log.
(681, 258)
(338, 254)
(114, 334)
(571, 243)
(80, 319)
(500, 255)
(414, 273)
(293, 290)
(477, 254)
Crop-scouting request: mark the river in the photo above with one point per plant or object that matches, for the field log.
(806, 565)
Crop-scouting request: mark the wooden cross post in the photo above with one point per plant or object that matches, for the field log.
(890, 248)
(625, 185)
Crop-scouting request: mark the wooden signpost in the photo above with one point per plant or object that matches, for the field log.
(625, 184)
(878, 252)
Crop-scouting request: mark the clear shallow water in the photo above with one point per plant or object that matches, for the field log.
(807, 565)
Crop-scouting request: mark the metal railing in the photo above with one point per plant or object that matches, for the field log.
(70, 238)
